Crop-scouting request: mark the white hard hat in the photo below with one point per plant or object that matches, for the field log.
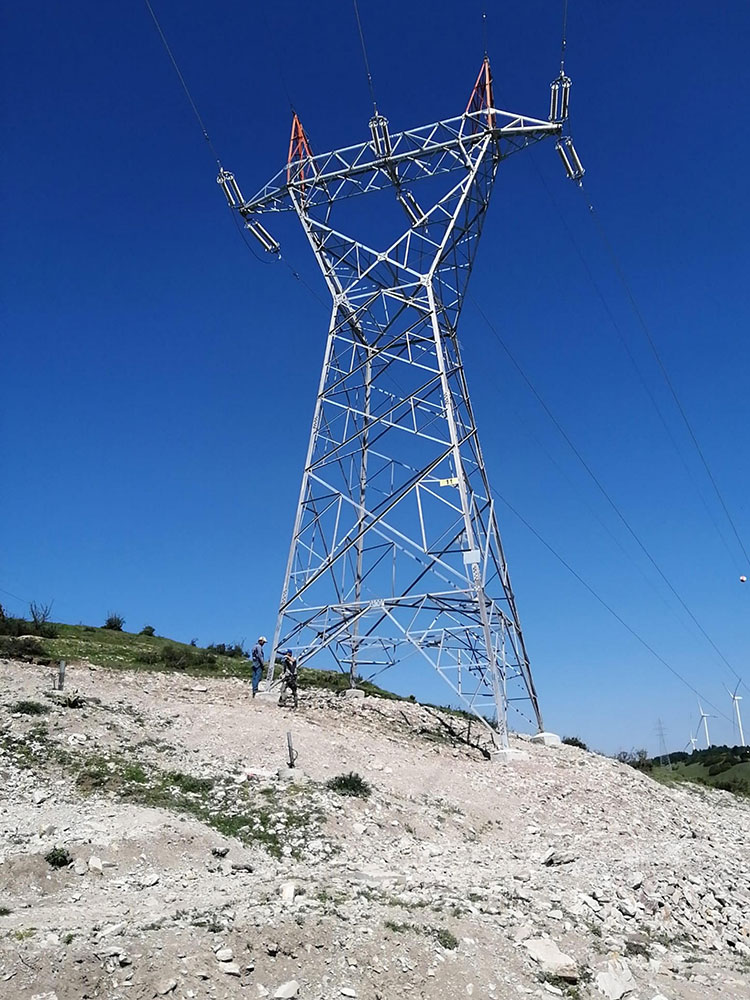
(262, 639)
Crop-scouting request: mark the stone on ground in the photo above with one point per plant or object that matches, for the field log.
(550, 959)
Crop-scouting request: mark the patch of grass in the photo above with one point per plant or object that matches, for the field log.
(23, 935)
(189, 784)
(418, 904)
(396, 927)
(569, 989)
(32, 749)
(444, 937)
(267, 821)
(29, 708)
(68, 937)
(58, 857)
(351, 784)
(134, 772)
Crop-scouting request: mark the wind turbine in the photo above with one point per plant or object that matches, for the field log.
(704, 719)
(692, 742)
(736, 699)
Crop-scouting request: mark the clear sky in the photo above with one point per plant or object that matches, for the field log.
(158, 381)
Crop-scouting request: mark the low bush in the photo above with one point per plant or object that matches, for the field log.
(183, 659)
(638, 759)
(236, 650)
(720, 767)
(58, 857)
(15, 627)
(29, 708)
(573, 741)
(350, 784)
(148, 630)
(114, 622)
(20, 649)
(172, 657)
(445, 938)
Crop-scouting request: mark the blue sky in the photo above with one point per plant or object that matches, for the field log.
(158, 381)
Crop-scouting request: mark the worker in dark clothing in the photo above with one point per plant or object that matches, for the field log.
(288, 677)
(258, 663)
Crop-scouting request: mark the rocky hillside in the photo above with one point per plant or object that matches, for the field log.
(150, 848)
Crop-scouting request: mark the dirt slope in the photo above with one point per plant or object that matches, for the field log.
(196, 872)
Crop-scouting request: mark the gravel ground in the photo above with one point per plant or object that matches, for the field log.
(192, 870)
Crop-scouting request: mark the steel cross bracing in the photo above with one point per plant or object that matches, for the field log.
(396, 549)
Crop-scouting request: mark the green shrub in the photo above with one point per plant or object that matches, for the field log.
(183, 659)
(58, 857)
(573, 741)
(16, 627)
(20, 649)
(638, 759)
(445, 938)
(114, 622)
(148, 630)
(350, 784)
(29, 708)
(720, 767)
(236, 650)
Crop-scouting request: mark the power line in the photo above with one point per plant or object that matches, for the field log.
(15, 597)
(364, 56)
(181, 78)
(634, 363)
(645, 327)
(602, 489)
(605, 527)
(605, 605)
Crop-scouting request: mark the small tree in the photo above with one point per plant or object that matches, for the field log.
(114, 622)
(148, 630)
(40, 613)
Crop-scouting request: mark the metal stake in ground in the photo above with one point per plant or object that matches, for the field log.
(293, 755)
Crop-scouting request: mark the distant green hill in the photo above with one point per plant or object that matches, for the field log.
(719, 767)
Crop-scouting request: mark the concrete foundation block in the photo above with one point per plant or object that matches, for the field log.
(547, 739)
(294, 775)
(354, 694)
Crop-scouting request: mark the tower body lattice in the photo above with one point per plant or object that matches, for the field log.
(396, 550)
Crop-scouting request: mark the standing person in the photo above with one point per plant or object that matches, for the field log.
(289, 677)
(258, 663)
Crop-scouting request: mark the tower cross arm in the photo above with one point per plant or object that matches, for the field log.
(415, 154)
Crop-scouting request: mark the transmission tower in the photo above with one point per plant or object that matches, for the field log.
(396, 550)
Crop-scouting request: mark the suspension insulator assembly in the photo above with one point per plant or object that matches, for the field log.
(559, 99)
(570, 159)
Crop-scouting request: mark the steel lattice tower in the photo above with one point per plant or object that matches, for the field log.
(396, 548)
